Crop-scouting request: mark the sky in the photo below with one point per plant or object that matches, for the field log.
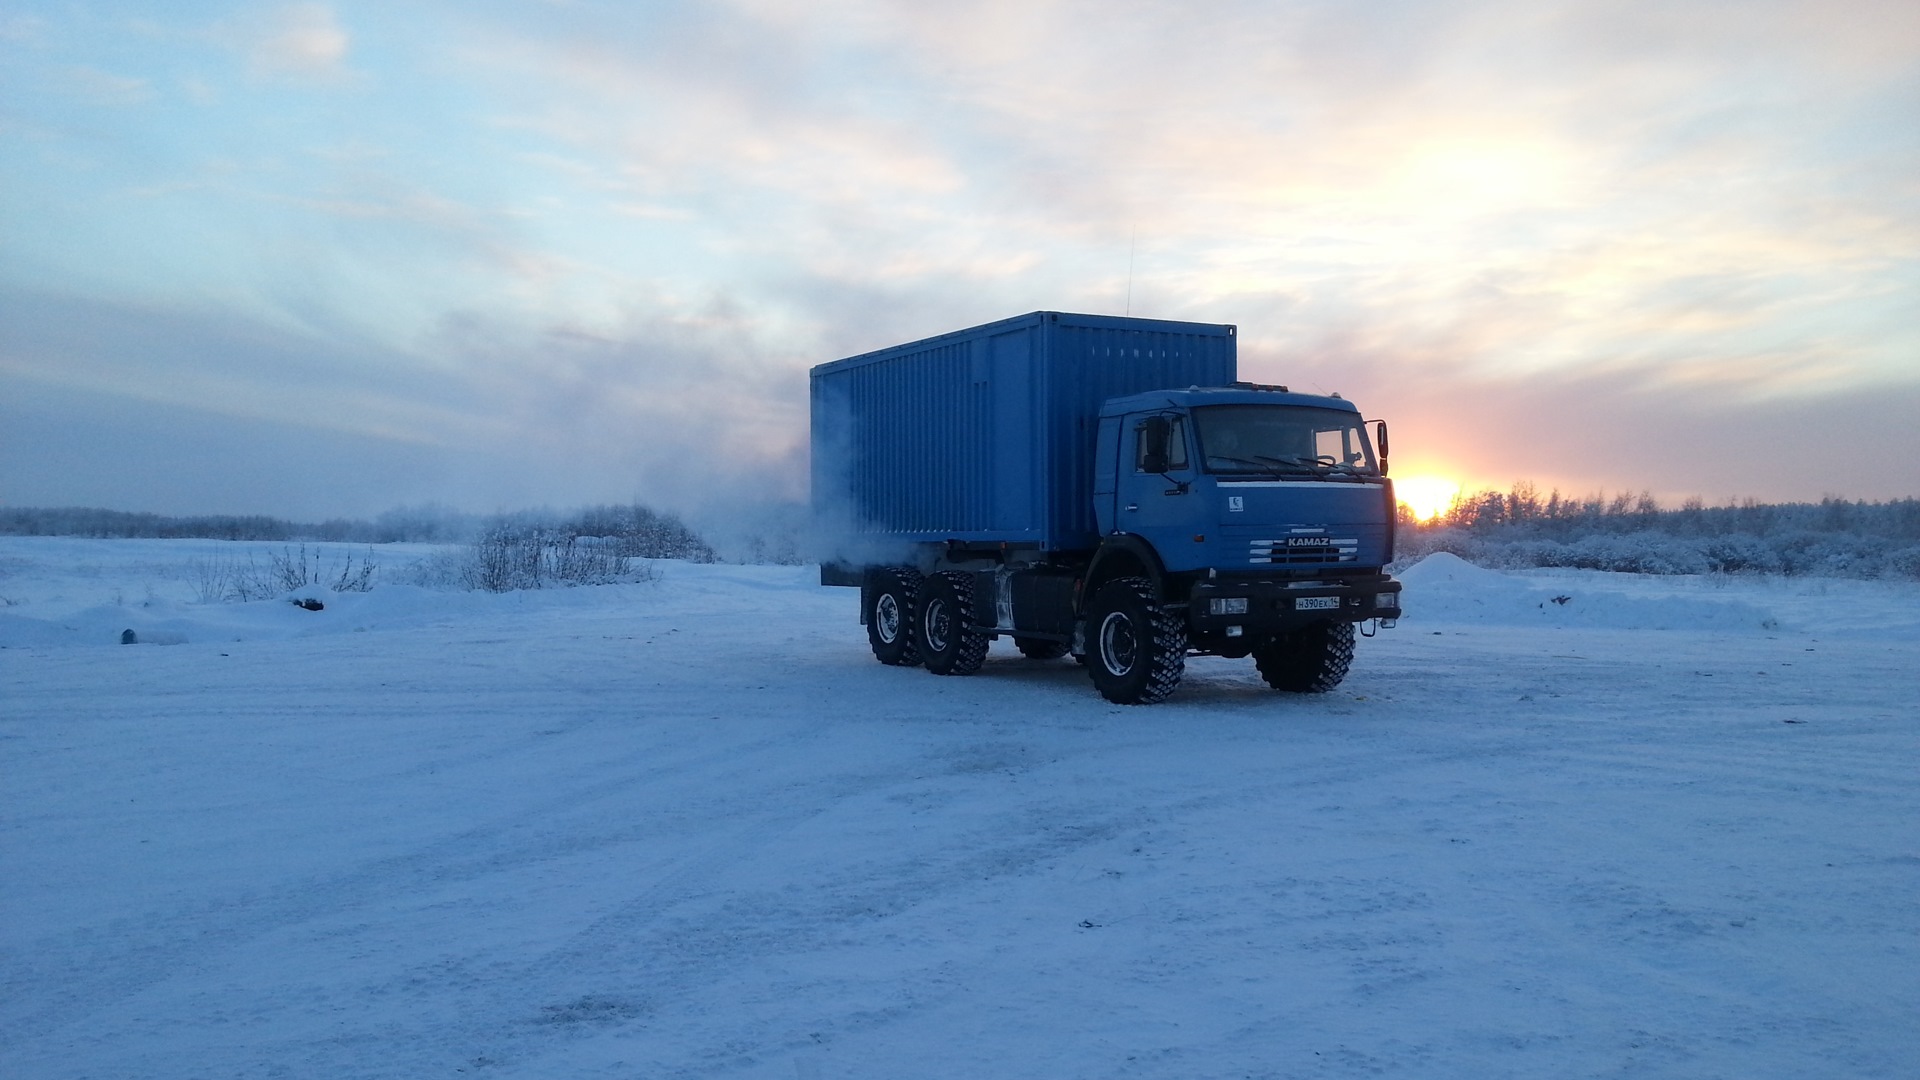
(320, 260)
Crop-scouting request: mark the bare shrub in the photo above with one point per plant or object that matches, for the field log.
(223, 579)
(211, 578)
(289, 570)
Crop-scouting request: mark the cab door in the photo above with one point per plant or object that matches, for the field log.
(1155, 497)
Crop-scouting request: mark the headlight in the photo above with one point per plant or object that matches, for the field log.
(1227, 605)
(1387, 600)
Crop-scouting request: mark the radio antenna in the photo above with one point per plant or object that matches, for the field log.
(1132, 240)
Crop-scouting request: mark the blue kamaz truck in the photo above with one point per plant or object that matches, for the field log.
(1104, 487)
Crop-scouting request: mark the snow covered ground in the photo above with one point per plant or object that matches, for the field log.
(688, 828)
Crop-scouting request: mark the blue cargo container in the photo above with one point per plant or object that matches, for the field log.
(1102, 486)
(987, 434)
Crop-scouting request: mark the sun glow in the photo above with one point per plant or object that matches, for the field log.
(1426, 497)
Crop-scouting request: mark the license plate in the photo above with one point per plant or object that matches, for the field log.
(1316, 603)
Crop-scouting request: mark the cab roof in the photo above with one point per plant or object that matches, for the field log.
(1237, 394)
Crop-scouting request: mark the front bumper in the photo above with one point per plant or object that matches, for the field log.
(1267, 605)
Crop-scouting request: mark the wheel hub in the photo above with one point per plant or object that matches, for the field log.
(938, 624)
(886, 618)
(1119, 646)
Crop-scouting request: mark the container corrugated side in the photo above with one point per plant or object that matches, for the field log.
(903, 439)
(986, 434)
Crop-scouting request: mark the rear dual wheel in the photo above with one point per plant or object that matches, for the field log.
(892, 594)
(949, 642)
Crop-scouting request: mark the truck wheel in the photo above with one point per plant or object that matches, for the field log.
(890, 610)
(1040, 649)
(1309, 661)
(949, 641)
(1136, 652)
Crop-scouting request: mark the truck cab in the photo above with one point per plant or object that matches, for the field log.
(1239, 477)
(1256, 513)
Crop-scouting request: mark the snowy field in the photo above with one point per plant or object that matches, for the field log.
(688, 828)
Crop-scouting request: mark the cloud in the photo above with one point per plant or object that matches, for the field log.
(298, 41)
(98, 87)
(618, 234)
(675, 407)
(23, 30)
(199, 91)
(224, 362)
(64, 446)
(1420, 136)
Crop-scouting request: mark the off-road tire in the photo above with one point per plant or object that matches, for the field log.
(892, 599)
(1040, 648)
(1308, 661)
(950, 643)
(1136, 651)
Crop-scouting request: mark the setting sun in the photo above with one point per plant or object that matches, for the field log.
(1427, 497)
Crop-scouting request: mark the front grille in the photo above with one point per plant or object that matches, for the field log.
(1282, 553)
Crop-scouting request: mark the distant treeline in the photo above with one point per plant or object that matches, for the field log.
(636, 530)
(1633, 533)
(414, 525)
(1523, 509)
(121, 525)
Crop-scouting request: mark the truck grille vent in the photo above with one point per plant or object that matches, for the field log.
(1322, 551)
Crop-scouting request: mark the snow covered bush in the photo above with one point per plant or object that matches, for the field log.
(1904, 563)
(1630, 553)
(637, 531)
(1740, 553)
(513, 555)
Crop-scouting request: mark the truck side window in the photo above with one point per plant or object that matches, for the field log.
(1160, 444)
(1177, 444)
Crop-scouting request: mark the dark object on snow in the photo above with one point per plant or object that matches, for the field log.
(1562, 600)
(153, 637)
(310, 604)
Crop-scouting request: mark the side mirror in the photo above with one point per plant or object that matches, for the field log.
(1380, 438)
(1154, 431)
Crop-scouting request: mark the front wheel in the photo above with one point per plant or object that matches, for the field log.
(949, 641)
(1136, 651)
(1309, 661)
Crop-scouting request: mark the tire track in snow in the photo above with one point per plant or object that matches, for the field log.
(64, 981)
(710, 915)
(688, 939)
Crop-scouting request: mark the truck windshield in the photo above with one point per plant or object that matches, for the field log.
(1284, 440)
